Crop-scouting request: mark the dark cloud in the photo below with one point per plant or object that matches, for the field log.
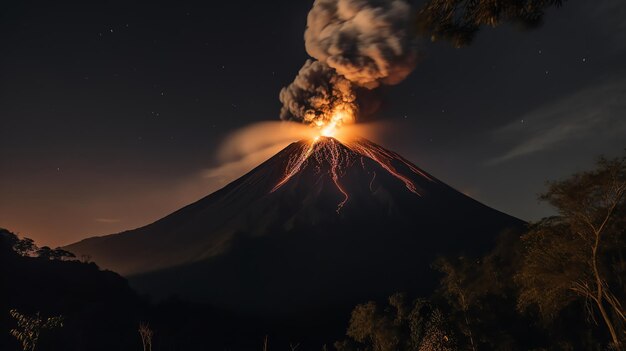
(366, 41)
(358, 44)
(315, 93)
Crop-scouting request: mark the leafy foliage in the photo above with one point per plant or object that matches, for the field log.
(30, 327)
(579, 254)
(47, 253)
(400, 325)
(493, 302)
(459, 20)
(146, 336)
(25, 247)
(479, 296)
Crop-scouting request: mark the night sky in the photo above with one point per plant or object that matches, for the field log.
(111, 111)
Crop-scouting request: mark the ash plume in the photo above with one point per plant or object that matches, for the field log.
(358, 44)
(316, 91)
(366, 41)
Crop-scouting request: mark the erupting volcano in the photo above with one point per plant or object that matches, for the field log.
(338, 157)
(326, 222)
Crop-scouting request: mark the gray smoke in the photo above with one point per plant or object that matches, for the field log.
(366, 41)
(358, 44)
(315, 93)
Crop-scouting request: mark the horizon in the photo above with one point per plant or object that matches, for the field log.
(335, 175)
(111, 120)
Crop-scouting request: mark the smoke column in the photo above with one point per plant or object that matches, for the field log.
(358, 44)
(315, 93)
(365, 41)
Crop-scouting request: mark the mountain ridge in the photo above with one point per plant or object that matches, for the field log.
(346, 208)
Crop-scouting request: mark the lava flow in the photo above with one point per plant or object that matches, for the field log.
(334, 147)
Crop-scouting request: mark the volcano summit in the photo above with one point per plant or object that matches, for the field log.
(322, 223)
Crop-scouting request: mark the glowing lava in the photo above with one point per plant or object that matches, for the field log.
(321, 150)
(329, 125)
(384, 159)
(336, 146)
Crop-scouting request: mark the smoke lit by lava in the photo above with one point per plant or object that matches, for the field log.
(357, 45)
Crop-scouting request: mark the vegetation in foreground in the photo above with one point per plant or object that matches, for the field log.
(560, 286)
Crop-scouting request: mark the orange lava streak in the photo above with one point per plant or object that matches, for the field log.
(392, 155)
(381, 157)
(338, 156)
(295, 164)
(330, 153)
(334, 168)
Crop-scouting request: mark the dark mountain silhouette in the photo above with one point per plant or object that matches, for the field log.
(99, 309)
(319, 226)
(101, 312)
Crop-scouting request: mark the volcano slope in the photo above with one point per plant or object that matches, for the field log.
(320, 224)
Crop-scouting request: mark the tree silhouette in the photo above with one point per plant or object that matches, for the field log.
(578, 255)
(46, 252)
(8, 240)
(478, 295)
(60, 254)
(459, 20)
(458, 287)
(25, 247)
(400, 325)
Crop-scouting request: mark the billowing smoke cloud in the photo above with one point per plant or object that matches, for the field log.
(358, 44)
(315, 93)
(365, 41)
(361, 44)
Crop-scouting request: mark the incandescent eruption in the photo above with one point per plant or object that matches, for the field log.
(323, 223)
(330, 220)
(341, 155)
(358, 44)
(319, 97)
